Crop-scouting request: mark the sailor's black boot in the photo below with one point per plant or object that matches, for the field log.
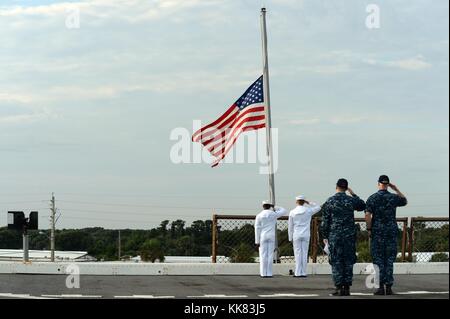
(380, 291)
(346, 290)
(337, 291)
(389, 290)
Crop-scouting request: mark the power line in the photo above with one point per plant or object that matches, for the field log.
(22, 202)
(114, 220)
(21, 195)
(155, 195)
(154, 206)
(202, 208)
(126, 213)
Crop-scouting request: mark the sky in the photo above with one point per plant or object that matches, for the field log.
(87, 110)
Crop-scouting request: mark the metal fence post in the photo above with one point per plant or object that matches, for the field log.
(214, 239)
(315, 240)
(404, 239)
(411, 235)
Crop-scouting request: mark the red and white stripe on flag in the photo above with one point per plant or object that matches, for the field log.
(246, 114)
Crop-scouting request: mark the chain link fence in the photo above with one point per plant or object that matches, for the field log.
(362, 241)
(429, 239)
(234, 240)
(426, 239)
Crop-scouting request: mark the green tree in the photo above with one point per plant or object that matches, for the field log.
(151, 250)
(186, 246)
(10, 239)
(177, 228)
(163, 227)
(439, 257)
(364, 255)
(243, 253)
(286, 250)
(74, 240)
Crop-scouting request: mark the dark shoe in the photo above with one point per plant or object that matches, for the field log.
(380, 291)
(389, 291)
(337, 291)
(346, 291)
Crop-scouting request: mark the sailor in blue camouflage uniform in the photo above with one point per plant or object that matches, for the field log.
(383, 231)
(339, 232)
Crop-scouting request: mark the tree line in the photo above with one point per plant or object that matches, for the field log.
(168, 239)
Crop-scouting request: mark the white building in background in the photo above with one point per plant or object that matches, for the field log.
(180, 259)
(44, 255)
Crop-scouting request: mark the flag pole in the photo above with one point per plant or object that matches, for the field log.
(267, 104)
(268, 114)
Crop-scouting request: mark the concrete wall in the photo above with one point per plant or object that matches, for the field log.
(133, 269)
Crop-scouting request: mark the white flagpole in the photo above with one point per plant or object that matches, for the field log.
(268, 114)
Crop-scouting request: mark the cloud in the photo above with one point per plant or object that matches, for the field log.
(324, 63)
(181, 82)
(327, 69)
(305, 121)
(102, 62)
(347, 120)
(42, 10)
(27, 117)
(15, 98)
(129, 10)
(411, 64)
(69, 92)
(335, 120)
(344, 61)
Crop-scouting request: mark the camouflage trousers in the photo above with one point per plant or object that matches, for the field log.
(384, 253)
(342, 259)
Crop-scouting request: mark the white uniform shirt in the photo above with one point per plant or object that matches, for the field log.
(300, 221)
(265, 224)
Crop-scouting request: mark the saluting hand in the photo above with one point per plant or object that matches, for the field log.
(393, 187)
(350, 191)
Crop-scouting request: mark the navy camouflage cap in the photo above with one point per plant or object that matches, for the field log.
(342, 183)
(383, 179)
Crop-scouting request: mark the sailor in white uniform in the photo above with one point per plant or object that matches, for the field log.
(299, 232)
(265, 227)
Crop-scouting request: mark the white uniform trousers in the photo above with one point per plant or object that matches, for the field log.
(266, 250)
(301, 246)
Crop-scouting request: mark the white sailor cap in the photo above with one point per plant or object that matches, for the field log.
(267, 202)
(300, 197)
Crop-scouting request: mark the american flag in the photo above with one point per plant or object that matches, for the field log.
(246, 114)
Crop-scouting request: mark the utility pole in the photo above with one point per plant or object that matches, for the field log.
(52, 232)
(26, 255)
(120, 247)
